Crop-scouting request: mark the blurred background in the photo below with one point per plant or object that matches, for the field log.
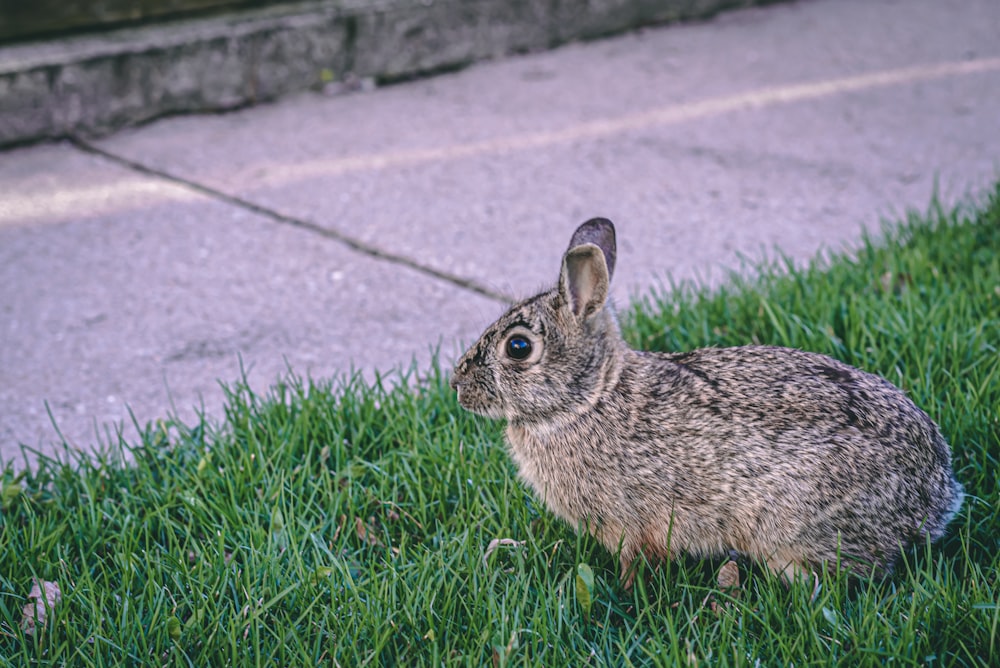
(189, 187)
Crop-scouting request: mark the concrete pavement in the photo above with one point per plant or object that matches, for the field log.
(360, 230)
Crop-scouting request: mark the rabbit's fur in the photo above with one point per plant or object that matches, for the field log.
(789, 457)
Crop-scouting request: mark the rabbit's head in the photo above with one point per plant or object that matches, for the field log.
(555, 352)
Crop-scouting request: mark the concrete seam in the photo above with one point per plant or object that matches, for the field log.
(354, 244)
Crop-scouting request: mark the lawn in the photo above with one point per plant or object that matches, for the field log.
(346, 524)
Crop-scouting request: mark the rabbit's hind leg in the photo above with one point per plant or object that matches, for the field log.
(654, 552)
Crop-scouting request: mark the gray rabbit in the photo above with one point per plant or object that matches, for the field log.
(789, 457)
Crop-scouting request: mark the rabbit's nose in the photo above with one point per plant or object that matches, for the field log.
(455, 381)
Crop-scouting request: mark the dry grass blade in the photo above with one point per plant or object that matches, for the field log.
(497, 542)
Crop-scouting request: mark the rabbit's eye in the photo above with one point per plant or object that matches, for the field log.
(518, 347)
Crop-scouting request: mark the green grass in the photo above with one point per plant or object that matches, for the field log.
(346, 524)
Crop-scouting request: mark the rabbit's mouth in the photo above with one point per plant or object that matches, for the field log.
(473, 401)
(468, 399)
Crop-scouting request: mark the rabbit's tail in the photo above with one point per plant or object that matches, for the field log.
(950, 506)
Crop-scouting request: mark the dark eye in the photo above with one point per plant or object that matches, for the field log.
(518, 347)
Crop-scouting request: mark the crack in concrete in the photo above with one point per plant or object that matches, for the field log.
(749, 100)
(354, 244)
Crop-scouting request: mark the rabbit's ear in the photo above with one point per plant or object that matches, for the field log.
(601, 233)
(584, 280)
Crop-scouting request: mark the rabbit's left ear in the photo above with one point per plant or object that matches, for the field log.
(587, 267)
(601, 233)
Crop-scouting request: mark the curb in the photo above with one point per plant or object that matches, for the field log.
(92, 85)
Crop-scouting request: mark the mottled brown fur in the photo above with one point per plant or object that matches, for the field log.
(789, 457)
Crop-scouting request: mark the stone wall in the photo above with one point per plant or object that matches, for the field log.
(94, 84)
(27, 19)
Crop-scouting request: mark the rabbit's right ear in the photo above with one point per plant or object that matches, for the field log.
(584, 280)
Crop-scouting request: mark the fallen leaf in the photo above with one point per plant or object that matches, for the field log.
(43, 596)
(729, 576)
(895, 283)
(728, 580)
(830, 616)
(9, 494)
(320, 574)
(585, 588)
(366, 532)
(501, 652)
(341, 521)
(278, 534)
(395, 513)
(203, 464)
(174, 628)
(277, 521)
